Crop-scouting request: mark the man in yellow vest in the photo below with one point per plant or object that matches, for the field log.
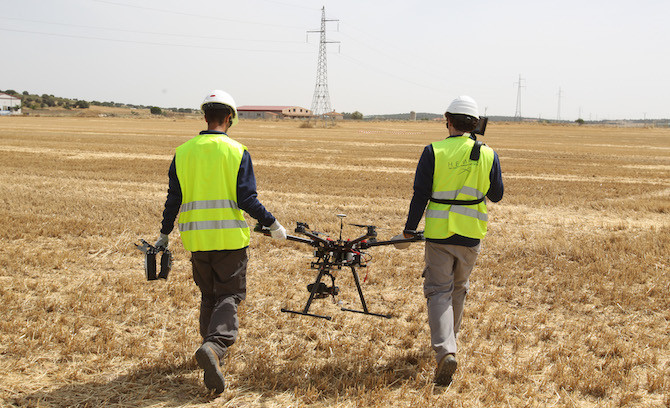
(455, 188)
(211, 182)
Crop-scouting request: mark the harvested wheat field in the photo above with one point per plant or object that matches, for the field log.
(569, 304)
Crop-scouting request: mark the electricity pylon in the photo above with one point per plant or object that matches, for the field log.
(517, 111)
(321, 99)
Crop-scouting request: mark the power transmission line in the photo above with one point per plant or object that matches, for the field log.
(517, 111)
(407, 54)
(290, 5)
(148, 32)
(416, 65)
(321, 99)
(181, 13)
(380, 71)
(150, 42)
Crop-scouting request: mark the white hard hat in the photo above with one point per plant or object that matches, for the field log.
(218, 96)
(464, 105)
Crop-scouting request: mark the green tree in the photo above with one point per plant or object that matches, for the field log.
(155, 110)
(580, 121)
(49, 101)
(82, 104)
(356, 115)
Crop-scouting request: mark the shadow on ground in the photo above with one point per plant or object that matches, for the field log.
(344, 375)
(176, 385)
(164, 385)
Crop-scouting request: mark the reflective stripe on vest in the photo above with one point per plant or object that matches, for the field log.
(456, 177)
(451, 195)
(208, 205)
(208, 225)
(457, 209)
(210, 219)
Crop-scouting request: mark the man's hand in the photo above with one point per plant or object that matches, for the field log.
(162, 241)
(277, 231)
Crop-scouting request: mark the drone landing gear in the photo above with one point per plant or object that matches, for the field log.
(319, 290)
(360, 294)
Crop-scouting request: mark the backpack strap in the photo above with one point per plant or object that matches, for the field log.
(474, 153)
(458, 202)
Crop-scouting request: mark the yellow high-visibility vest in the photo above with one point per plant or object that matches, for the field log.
(456, 177)
(209, 218)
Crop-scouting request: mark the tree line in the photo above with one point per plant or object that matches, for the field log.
(36, 101)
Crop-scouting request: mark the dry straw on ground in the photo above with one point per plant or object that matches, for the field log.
(569, 303)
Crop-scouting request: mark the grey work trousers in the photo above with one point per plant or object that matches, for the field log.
(222, 279)
(446, 282)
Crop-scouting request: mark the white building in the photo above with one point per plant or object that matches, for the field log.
(273, 112)
(9, 105)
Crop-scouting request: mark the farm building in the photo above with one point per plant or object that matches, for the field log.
(334, 115)
(9, 105)
(272, 112)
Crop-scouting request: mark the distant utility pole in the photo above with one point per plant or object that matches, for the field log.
(321, 99)
(560, 93)
(519, 84)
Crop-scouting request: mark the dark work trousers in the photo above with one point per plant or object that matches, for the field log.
(222, 279)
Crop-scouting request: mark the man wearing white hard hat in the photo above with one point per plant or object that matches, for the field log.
(211, 182)
(454, 187)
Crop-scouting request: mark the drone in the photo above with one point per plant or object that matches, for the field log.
(332, 254)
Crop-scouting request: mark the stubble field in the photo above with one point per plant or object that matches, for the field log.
(569, 303)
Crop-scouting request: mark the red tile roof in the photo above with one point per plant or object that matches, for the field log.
(263, 108)
(3, 95)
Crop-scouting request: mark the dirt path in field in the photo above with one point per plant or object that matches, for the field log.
(585, 220)
(68, 154)
(563, 217)
(588, 179)
(341, 167)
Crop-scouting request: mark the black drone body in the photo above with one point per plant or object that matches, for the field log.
(332, 254)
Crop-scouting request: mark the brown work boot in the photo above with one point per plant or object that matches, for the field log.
(445, 370)
(208, 360)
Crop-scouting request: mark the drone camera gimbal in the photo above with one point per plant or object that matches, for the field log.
(322, 290)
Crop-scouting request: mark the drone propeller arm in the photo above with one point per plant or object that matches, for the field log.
(315, 239)
(360, 239)
(416, 238)
(266, 231)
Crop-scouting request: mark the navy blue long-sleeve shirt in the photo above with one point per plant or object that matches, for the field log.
(423, 189)
(246, 193)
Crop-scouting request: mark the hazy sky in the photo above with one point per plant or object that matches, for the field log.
(610, 59)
